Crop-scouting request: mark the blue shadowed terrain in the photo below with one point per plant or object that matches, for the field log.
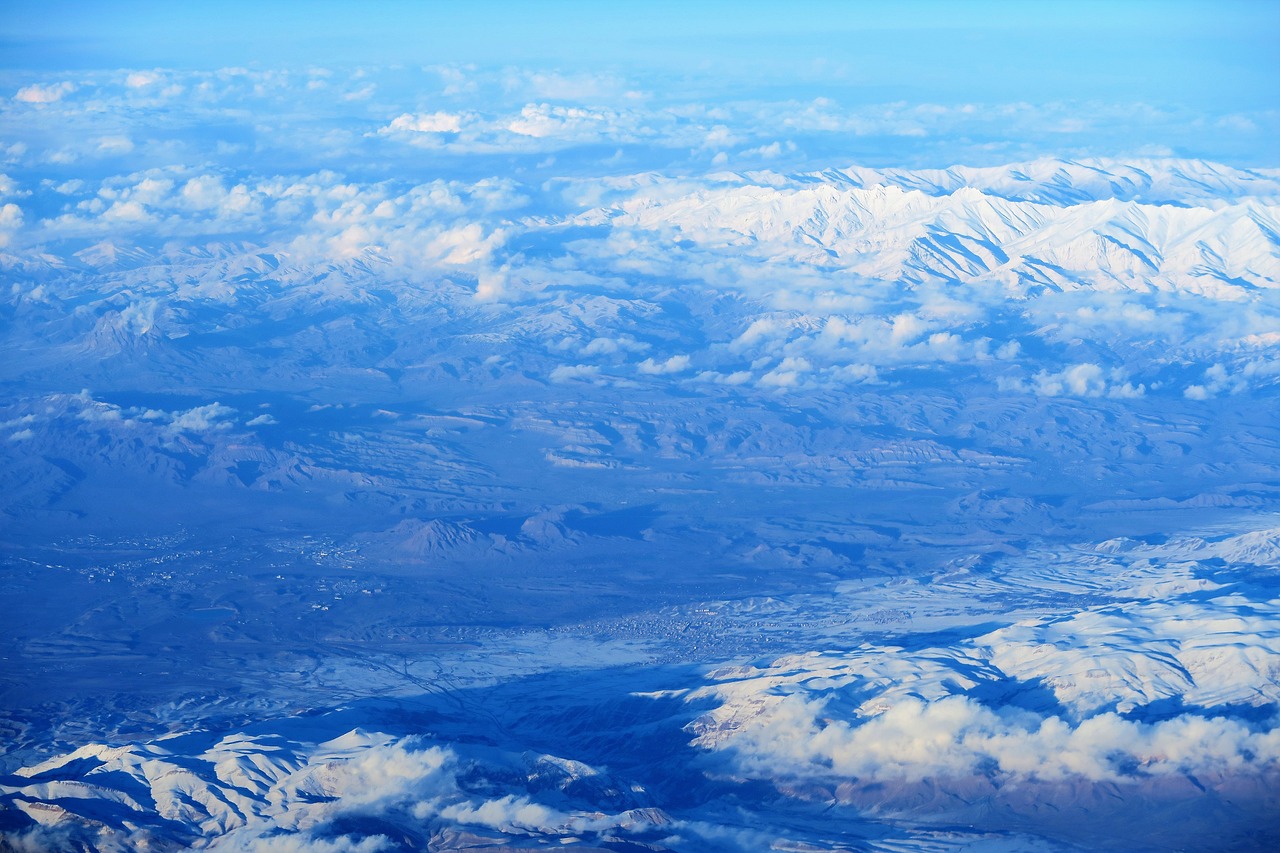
(639, 429)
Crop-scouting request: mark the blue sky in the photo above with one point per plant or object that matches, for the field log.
(1194, 52)
(921, 83)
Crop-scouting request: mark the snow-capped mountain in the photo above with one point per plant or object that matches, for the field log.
(845, 509)
(1062, 233)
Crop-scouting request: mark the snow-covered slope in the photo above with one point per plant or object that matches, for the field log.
(854, 509)
(1164, 181)
(897, 231)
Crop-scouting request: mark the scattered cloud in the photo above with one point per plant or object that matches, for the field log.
(575, 372)
(674, 364)
(437, 122)
(1217, 381)
(858, 274)
(548, 120)
(956, 738)
(610, 345)
(300, 794)
(879, 717)
(202, 418)
(48, 93)
(142, 79)
(1076, 380)
(10, 221)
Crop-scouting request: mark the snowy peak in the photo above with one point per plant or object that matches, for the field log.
(1064, 182)
(106, 255)
(962, 225)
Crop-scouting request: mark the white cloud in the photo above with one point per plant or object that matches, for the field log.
(857, 373)
(1218, 381)
(10, 222)
(608, 346)
(276, 842)
(44, 94)
(719, 137)
(575, 372)
(437, 122)
(772, 151)
(391, 772)
(204, 192)
(150, 190)
(506, 814)
(674, 364)
(1082, 380)
(1077, 380)
(491, 285)
(549, 120)
(364, 93)
(738, 377)
(956, 738)
(202, 418)
(1008, 351)
(141, 79)
(291, 797)
(759, 329)
(791, 371)
(126, 212)
(465, 244)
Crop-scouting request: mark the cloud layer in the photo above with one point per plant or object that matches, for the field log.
(1044, 704)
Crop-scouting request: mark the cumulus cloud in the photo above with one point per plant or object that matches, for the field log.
(10, 222)
(42, 839)
(737, 377)
(459, 245)
(674, 364)
(858, 274)
(610, 345)
(881, 715)
(957, 738)
(552, 120)
(829, 345)
(141, 79)
(276, 842)
(491, 285)
(1077, 380)
(575, 373)
(857, 373)
(1219, 380)
(203, 192)
(1082, 380)
(506, 814)
(378, 775)
(44, 94)
(202, 418)
(315, 218)
(437, 122)
(791, 371)
(126, 212)
(308, 797)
